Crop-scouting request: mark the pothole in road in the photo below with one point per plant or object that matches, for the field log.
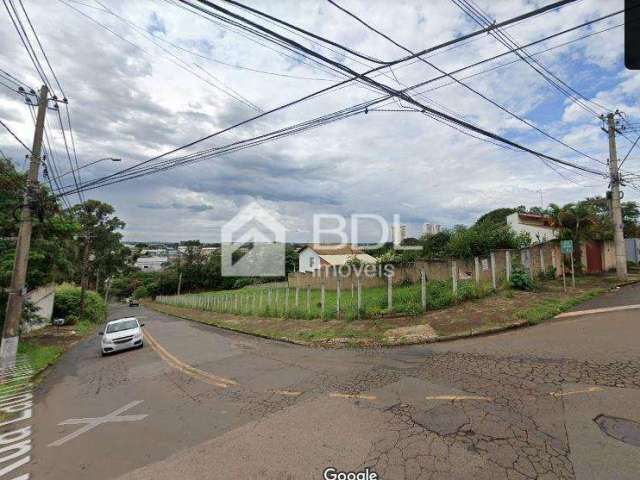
(622, 429)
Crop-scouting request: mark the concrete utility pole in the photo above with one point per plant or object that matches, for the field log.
(83, 275)
(616, 210)
(10, 332)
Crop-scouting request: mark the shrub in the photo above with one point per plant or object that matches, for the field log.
(67, 305)
(520, 279)
(140, 292)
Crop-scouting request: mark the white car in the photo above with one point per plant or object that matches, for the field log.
(122, 334)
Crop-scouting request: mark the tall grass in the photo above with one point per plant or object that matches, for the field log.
(265, 302)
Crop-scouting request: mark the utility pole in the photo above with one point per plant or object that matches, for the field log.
(10, 332)
(179, 283)
(616, 209)
(83, 274)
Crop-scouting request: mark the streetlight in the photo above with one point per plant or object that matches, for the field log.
(113, 159)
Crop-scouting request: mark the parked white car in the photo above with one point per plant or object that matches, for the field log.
(122, 334)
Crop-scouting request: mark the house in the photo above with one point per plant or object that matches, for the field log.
(431, 228)
(151, 263)
(537, 226)
(207, 251)
(314, 257)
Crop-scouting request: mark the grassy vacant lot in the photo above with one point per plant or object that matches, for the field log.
(266, 302)
(493, 312)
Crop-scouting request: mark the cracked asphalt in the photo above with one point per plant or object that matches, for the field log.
(518, 405)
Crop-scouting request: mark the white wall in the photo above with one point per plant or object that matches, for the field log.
(538, 234)
(150, 264)
(307, 257)
(42, 298)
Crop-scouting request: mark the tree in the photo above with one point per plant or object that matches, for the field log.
(497, 216)
(99, 233)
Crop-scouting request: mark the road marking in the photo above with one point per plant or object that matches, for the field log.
(575, 392)
(358, 396)
(456, 398)
(186, 368)
(287, 392)
(92, 423)
(598, 310)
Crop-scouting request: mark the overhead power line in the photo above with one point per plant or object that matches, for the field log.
(459, 82)
(143, 165)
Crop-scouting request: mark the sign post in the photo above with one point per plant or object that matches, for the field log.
(566, 247)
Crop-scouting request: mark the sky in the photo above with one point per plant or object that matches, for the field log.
(145, 77)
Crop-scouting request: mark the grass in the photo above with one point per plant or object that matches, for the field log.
(551, 307)
(40, 356)
(264, 302)
(468, 313)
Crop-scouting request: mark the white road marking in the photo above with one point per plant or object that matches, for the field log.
(358, 396)
(575, 392)
(455, 398)
(287, 392)
(92, 423)
(598, 310)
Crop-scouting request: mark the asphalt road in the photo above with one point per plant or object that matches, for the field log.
(205, 403)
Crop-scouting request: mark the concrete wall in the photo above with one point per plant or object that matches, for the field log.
(42, 298)
(633, 249)
(530, 258)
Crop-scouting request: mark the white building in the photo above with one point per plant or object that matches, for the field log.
(431, 228)
(151, 264)
(537, 226)
(314, 257)
(398, 233)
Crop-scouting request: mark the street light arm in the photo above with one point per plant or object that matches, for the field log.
(113, 159)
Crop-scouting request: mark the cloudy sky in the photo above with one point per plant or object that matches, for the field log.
(147, 76)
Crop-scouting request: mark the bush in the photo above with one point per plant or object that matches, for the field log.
(140, 292)
(520, 279)
(67, 305)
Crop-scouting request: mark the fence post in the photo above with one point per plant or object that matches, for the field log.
(507, 262)
(308, 300)
(269, 298)
(253, 303)
(276, 301)
(359, 287)
(476, 266)
(389, 292)
(322, 301)
(286, 302)
(454, 276)
(493, 270)
(337, 298)
(423, 289)
(297, 297)
(542, 267)
(236, 302)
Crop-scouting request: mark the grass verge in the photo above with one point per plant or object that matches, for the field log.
(551, 307)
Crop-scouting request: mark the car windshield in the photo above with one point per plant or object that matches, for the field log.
(124, 325)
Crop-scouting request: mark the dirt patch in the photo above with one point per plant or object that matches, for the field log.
(64, 337)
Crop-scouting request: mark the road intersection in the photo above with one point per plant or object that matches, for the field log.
(521, 404)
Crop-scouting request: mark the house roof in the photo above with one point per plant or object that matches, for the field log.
(333, 249)
(343, 259)
(534, 219)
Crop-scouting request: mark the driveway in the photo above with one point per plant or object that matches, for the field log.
(198, 402)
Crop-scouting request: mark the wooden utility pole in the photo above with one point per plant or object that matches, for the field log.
(10, 332)
(616, 209)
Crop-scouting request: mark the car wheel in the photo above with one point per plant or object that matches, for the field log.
(141, 345)
(104, 354)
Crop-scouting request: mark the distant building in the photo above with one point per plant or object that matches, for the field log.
(153, 252)
(151, 264)
(431, 228)
(314, 257)
(207, 251)
(398, 234)
(537, 226)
